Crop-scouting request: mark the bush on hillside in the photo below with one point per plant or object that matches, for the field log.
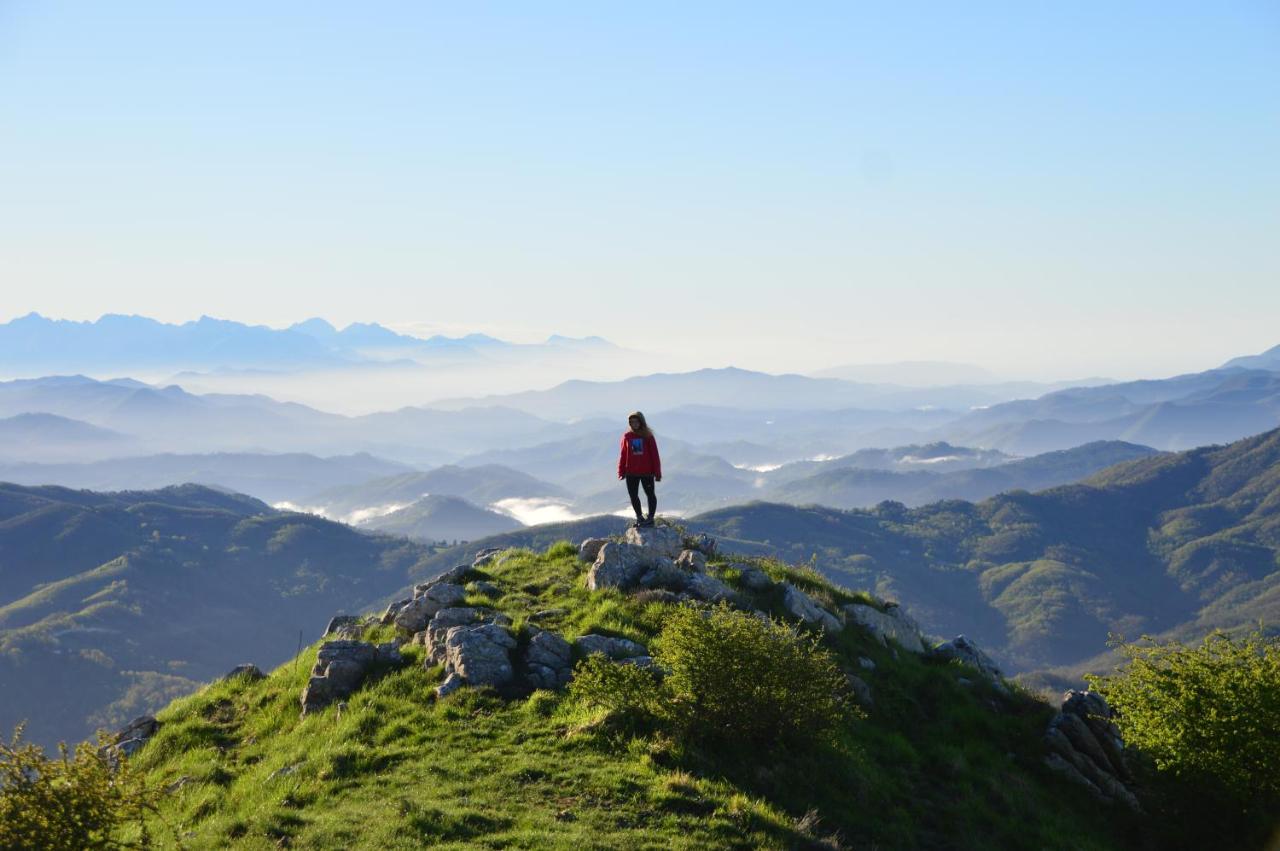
(732, 676)
(77, 801)
(728, 677)
(1208, 719)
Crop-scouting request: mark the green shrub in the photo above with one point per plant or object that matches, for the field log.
(74, 802)
(727, 677)
(732, 676)
(627, 691)
(1208, 719)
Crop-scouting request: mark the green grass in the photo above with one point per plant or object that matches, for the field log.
(934, 763)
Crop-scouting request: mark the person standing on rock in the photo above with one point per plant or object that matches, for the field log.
(639, 464)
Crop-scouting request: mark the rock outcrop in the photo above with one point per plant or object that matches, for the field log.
(800, 605)
(961, 649)
(590, 548)
(891, 624)
(620, 565)
(547, 661)
(701, 542)
(247, 670)
(663, 540)
(340, 667)
(131, 737)
(1086, 748)
(414, 614)
(622, 650)
(477, 656)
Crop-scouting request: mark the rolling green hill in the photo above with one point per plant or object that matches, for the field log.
(936, 760)
(112, 604)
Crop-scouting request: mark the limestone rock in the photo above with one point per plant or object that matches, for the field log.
(480, 655)
(247, 670)
(707, 587)
(620, 566)
(434, 635)
(1083, 737)
(961, 649)
(664, 574)
(340, 667)
(891, 624)
(663, 540)
(548, 661)
(801, 605)
(692, 561)
(702, 543)
(485, 556)
(341, 622)
(590, 548)
(422, 608)
(132, 736)
(753, 578)
(615, 648)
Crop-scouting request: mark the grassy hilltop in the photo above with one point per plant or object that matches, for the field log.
(940, 758)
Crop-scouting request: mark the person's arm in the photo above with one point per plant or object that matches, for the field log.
(622, 458)
(657, 461)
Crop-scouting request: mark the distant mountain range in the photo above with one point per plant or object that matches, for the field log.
(270, 477)
(111, 604)
(33, 345)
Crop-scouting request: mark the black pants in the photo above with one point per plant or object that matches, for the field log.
(633, 490)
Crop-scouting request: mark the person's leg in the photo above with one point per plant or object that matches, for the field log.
(633, 490)
(650, 496)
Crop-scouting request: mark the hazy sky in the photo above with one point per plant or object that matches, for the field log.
(1069, 189)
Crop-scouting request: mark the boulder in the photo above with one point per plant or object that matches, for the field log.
(590, 548)
(485, 556)
(393, 609)
(802, 606)
(247, 670)
(664, 574)
(547, 661)
(663, 540)
(616, 649)
(620, 566)
(702, 543)
(752, 578)
(131, 737)
(891, 624)
(414, 616)
(961, 649)
(340, 667)
(479, 655)
(345, 623)
(692, 561)
(452, 576)
(706, 587)
(438, 628)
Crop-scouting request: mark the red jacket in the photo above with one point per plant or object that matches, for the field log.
(638, 456)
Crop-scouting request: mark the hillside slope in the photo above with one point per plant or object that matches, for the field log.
(939, 760)
(112, 604)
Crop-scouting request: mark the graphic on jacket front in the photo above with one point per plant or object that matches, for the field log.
(637, 445)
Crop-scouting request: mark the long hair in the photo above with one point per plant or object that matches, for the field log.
(644, 430)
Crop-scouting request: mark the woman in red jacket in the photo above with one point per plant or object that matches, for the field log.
(639, 464)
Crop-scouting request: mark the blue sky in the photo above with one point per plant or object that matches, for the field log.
(1044, 190)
